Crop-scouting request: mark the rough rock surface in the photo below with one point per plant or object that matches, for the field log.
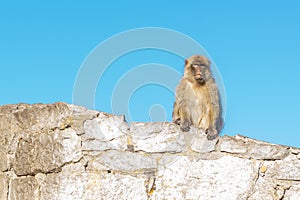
(62, 151)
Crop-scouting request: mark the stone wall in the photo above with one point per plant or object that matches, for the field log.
(62, 151)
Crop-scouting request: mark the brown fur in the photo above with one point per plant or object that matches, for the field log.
(197, 99)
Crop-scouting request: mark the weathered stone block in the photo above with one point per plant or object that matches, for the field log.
(78, 116)
(123, 161)
(198, 142)
(46, 152)
(39, 116)
(105, 132)
(293, 193)
(70, 183)
(25, 188)
(263, 150)
(225, 178)
(3, 161)
(3, 186)
(286, 169)
(267, 151)
(5, 116)
(233, 145)
(157, 137)
(117, 186)
(73, 182)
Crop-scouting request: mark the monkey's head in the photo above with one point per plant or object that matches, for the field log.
(197, 69)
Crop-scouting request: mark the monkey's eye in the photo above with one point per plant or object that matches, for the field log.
(195, 65)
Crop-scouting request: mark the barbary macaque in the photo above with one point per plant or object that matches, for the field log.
(197, 100)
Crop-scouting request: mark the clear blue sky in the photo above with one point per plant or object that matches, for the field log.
(255, 45)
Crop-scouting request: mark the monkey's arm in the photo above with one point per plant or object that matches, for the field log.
(176, 105)
(175, 114)
(216, 121)
(181, 106)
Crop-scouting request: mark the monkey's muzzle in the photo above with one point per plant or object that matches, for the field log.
(199, 78)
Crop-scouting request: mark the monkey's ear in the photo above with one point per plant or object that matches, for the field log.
(208, 61)
(186, 62)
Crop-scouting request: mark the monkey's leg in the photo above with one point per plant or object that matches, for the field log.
(185, 117)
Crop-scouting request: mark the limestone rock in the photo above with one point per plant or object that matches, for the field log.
(34, 118)
(293, 192)
(286, 169)
(3, 186)
(46, 152)
(24, 188)
(198, 142)
(122, 161)
(70, 183)
(206, 179)
(233, 145)
(78, 117)
(157, 137)
(3, 161)
(77, 184)
(62, 151)
(119, 186)
(105, 132)
(263, 150)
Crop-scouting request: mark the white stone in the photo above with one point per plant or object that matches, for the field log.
(68, 184)
(267, 151)
(119, 143)
(71, 145)
(225, 178)
(103, 128)
(113, 186)
(264, 189)
(286, 169)
(105, 132)
(198, 142)
(77, 184)
(263, 150)
(232, 145)
(122, 161)
(157, 137)
(293, 193)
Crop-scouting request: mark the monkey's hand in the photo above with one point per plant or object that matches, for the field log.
(185, 125)
(212, 133)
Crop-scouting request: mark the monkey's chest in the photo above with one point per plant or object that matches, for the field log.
(201, 108)
(201, 96)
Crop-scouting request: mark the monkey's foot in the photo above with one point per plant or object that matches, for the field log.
(177, 121)
(185, 126)
(212, 134)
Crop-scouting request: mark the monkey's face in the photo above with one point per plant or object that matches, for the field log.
(199, 73)
(197, 69)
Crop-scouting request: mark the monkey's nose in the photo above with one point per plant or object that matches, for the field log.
(198, 76)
